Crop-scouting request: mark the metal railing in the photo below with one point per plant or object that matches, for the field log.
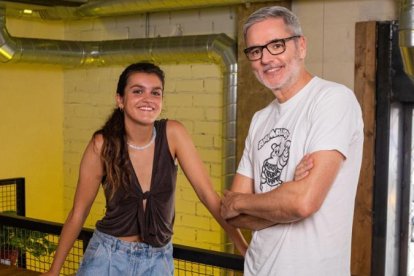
(31, 243)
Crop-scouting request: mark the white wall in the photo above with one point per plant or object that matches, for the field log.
(329, 26)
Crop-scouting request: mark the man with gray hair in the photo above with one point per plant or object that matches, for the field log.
(301, 226)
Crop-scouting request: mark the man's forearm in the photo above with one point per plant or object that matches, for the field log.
(250, 222)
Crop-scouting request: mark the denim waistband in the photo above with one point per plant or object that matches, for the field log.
(116, 244)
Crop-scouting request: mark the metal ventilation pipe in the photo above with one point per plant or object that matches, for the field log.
(406, 36)
(217, 48)
(122, 7)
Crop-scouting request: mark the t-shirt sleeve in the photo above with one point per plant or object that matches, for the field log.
(335, 121)
(246, 163)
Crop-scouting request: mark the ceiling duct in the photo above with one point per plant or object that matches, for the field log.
(102, 8)
(406, 36)
(201, 48)
(50, 3)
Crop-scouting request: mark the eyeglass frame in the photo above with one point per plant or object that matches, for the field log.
(261, 47)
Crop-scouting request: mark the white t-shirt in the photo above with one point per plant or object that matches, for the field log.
(322, 116)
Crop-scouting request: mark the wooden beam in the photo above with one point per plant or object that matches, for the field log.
(364, 86)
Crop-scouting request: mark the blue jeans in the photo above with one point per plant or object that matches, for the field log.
(109, 256)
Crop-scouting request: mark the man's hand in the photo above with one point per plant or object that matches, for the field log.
(228, 200)
(304, 167)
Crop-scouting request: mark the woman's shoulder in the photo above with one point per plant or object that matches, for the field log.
(168, 124)
(97, 141)
(174, 124)
(176, 130)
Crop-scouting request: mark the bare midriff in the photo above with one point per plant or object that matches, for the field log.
(135, 238)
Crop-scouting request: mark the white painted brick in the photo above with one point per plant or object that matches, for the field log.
(185, 17)
(182, 113)
(218, 142)
(213, 85)
(208, 100)
(163, 18)
(130, 21)
(205, 71)
(219, 14)
(190, 85)
(179, 71)
(177, 100)
(138, 31)
(162, 30)
(214, 113)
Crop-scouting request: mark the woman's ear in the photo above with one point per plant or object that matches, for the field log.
(119, 101)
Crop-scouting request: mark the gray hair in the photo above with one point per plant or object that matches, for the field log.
(291, 20)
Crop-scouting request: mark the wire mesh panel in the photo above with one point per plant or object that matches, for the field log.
(31, 244)
(8, 198)
(12, 198)
(26, 248)
(187, 268)
(43, 259)
(197, 261)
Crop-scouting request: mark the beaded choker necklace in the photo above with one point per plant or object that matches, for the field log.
(135, 147)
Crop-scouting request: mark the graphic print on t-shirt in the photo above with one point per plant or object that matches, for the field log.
(278, 157)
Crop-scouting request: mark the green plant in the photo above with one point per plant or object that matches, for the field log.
(25, 241)
(33, 242)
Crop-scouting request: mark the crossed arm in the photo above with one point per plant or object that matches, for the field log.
(292, 201)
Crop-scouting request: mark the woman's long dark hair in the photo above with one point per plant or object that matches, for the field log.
(114, 153)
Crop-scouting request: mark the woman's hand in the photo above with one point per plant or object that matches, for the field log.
(304, 167)
(49, 273)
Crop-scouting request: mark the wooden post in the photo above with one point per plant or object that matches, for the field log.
(364, 86)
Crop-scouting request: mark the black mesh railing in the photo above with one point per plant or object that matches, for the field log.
(196, 261)
(31, 244)
(12, 196)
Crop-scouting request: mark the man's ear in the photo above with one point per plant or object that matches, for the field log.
(303, 44)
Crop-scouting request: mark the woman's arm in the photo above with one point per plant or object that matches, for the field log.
(90, 176)
(182, 147)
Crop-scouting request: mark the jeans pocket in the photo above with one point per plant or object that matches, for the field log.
(94, 250)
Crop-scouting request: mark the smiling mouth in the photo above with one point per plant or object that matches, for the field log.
(146, 108)
(272, 69)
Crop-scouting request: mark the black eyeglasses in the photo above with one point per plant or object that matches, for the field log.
(275, 47)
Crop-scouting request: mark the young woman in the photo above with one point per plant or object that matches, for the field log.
(134, 157)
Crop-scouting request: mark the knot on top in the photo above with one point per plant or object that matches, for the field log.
(146, 195)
